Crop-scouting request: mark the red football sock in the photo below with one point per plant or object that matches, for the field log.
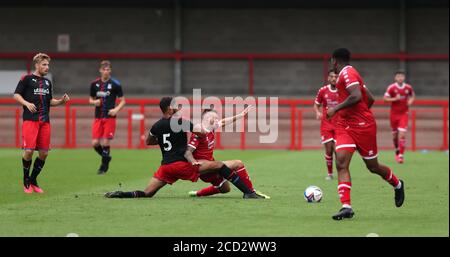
(401, 144)
(211, 190)
(392, 179)
(329, 161)
(344, 193)
(243, 175)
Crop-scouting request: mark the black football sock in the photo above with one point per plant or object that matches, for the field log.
(105, 151)
(134, 194)
(37, 167)
(26, 172)
(98, 149)
(26, 168)
(231, 176)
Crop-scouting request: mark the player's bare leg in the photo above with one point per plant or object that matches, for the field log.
(386, 173)
(401, 145)
(329, 151)
(27, 159)
(37, 168)
(153, 187)
(343, 159)
(106, 157)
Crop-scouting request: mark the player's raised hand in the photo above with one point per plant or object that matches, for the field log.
(31, 107)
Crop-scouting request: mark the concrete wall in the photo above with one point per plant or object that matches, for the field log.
(228, 30)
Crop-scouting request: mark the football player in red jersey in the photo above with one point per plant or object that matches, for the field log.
(401, 96)
(201, 147)
(356, 130)
(35, 93)
(327, 97)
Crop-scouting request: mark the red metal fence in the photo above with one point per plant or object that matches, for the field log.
(298, 129)
(249, 57)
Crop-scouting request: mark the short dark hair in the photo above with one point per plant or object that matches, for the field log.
(342, 55)
(332, 70)
(164, 103)
(400, 72)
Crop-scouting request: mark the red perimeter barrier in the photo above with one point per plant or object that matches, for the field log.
(297, 129)
(249, 57)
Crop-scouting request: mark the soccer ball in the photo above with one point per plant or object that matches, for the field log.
(313, 194)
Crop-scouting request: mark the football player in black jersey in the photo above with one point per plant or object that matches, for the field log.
(35, 93)
(103, 94)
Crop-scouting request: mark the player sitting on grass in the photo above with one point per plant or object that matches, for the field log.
(170, 133)
(201, 147)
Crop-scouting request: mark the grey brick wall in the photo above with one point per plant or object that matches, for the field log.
(228, 30)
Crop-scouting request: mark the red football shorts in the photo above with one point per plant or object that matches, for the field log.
(213, 178)
(171, 172)
(327, 135)
(36, 135)
(104, 128)
(361, 138)
(399, 122)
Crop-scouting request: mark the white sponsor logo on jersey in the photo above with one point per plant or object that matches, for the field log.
(103, 93)
(41, 91)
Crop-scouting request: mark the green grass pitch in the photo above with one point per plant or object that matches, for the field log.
(74, 202)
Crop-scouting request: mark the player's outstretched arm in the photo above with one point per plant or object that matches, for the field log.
(229, 120)
(354, 97)
(63, 100)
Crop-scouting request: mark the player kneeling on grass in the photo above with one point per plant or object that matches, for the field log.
(170, 133)
(201, 148)
(35, 93)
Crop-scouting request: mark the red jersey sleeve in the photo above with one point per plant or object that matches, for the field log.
(349, 77)
(319, 97)
(390, 92)
(194, 141)
(411, 90)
